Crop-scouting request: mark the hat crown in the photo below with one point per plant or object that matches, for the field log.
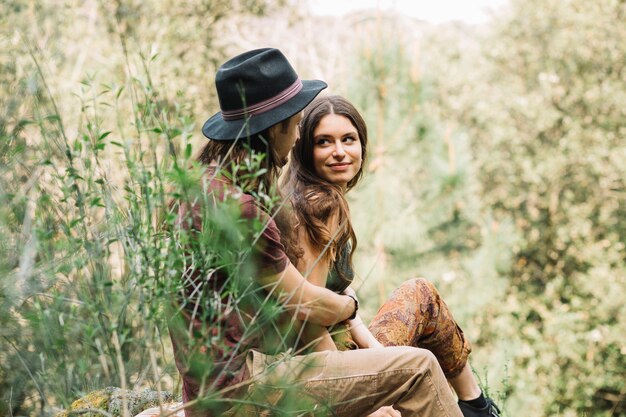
(253, 77)
(257, 90)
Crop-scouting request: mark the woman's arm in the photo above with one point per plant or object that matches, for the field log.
(360, 333)
(315, 270)
(312, 264)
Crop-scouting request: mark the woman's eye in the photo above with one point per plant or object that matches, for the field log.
(349, 139)
(322, 142)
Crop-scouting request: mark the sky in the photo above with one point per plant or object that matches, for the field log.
(434, 11)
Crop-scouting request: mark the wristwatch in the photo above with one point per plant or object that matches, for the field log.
(356, 307)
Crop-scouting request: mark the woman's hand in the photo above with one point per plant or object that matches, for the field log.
(375, 344)
(360, 333)
(387, 411)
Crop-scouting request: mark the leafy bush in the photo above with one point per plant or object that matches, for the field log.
(84, 177)
(495, 170)
(544, 109)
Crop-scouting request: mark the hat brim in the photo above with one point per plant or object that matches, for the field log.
(216, 128)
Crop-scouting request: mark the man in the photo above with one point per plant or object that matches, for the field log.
(240, 314)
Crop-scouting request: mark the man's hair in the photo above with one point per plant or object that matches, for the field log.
(232, 154)
(229, 154)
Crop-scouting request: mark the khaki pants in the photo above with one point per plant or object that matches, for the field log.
(350, 383)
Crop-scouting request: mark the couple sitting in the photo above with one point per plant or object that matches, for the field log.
(237, 326)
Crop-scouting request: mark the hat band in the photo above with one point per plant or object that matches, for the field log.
(265, 105)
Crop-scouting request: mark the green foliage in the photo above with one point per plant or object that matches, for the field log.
(495, 170)
(87, 270)
(422, 182)
(85, 181)
(545, 114)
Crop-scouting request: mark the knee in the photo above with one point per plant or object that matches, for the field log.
(423, 358)
(455, 368)
(421, 286)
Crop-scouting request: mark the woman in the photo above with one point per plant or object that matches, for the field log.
(327, 162)
(241, 299)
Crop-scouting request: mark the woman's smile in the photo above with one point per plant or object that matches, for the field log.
(340, 166)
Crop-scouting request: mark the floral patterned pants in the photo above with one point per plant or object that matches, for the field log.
(416, 315)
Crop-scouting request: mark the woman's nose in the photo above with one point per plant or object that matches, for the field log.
(339, 150)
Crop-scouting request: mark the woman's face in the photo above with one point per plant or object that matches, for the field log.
(336, 150)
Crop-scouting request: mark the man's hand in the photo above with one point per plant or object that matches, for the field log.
(387, 411)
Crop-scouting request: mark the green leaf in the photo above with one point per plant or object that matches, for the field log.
(119, 92)
(104, 135)
(53, 118)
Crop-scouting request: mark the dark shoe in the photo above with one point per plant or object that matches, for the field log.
(491, 410)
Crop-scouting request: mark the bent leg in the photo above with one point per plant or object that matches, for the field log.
(358, 382)
(416, 315)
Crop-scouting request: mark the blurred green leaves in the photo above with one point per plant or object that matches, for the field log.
(92, 144)
(495, 169)
(544, 111)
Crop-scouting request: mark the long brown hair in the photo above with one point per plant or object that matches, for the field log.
(316, 201)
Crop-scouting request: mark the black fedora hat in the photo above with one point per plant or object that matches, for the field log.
(257, 90)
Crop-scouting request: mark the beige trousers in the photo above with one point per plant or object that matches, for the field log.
(350, 383)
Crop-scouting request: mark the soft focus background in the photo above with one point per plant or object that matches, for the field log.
(496, 169)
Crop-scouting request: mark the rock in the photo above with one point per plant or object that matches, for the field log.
(110, 401)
